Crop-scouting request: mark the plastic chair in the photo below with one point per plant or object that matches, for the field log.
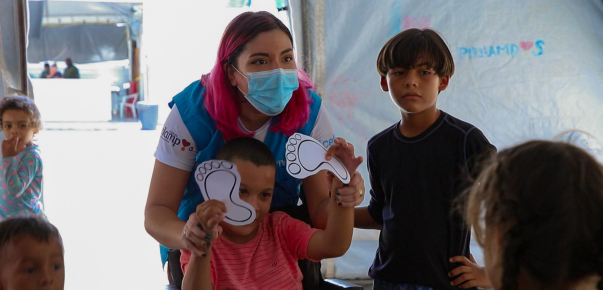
(129, 102)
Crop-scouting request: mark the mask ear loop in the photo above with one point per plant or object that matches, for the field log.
(247, 77)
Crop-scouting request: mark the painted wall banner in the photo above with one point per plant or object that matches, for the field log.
(528, 48)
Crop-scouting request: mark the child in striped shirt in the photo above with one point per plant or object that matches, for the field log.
(263, 254)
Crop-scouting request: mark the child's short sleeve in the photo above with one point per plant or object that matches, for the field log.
(185, 258)
(295, 232)
(478, 148)
(376, 203)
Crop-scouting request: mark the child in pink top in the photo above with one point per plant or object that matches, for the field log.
(263, 254)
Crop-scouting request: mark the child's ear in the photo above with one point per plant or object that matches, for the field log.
(444, 83)
(384, 84)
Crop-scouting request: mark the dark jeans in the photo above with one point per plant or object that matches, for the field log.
(311, 271)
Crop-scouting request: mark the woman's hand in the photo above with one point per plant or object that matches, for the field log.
(345, 153)
(202, 228)
(349, 195)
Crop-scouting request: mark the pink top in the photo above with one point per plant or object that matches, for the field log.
(269, 261)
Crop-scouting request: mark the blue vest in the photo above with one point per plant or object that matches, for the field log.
(209, 140)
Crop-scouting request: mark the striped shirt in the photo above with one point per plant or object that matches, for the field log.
(269, 261)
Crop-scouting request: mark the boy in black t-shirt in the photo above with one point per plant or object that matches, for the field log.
(417, 167)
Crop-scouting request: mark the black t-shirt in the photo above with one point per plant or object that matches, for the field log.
(414, 183)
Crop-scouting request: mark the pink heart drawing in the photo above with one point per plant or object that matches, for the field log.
(526, 45)
(412, 22)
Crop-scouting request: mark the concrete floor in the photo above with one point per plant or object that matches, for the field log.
(96, 178)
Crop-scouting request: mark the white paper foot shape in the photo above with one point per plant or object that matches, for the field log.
(306, 156)
(219, 180)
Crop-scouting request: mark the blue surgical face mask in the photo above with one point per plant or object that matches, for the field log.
(270, 91)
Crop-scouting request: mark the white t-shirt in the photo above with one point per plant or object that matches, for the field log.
(177, 148)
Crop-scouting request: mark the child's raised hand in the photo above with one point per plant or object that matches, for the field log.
(210, 214)
(345, 152)
(470, 274)
(203, 228)
(352, 194)
(12, 147)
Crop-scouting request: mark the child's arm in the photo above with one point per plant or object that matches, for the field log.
(197, 276)
(19, 172)
(198, 273)
(470, 274)
(335, 240)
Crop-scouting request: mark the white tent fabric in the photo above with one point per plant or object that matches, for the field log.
(524, 70)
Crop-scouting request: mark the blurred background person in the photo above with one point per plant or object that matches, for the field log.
(54, 72)
(46, 71)
(71, 72)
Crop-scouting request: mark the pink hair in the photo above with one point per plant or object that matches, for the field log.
(220, 96)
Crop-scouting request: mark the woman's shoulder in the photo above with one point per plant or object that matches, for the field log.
(195, 88)
(313, 96)
(190, 100)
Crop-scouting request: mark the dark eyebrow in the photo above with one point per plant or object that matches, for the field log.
(266, 54)
(259, 54)
(424, 64)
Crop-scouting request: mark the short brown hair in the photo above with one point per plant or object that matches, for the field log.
(412, 45)
(34, 227)
(247, 149)
(23, 104)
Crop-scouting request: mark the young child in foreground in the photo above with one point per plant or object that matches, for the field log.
(417, 167)
(263, 254)
(21, 167)
(537, 213)
(31, 255)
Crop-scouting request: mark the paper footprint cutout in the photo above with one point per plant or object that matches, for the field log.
(219, 180)
(306, 156)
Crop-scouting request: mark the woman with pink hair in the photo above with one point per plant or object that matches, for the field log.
(255, 89)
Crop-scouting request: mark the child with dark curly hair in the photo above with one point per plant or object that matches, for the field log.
(21, 167)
